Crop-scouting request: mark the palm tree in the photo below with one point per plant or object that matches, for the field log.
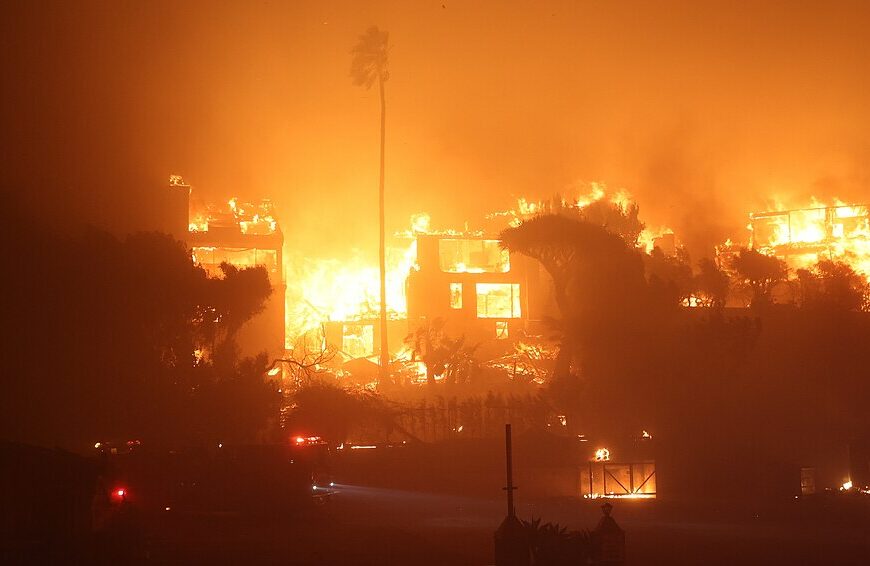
(369, 66)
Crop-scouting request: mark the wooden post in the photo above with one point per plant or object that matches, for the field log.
(511, 542)
(508, 448)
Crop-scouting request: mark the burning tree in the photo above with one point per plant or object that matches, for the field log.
(620, 217)
(552, 240)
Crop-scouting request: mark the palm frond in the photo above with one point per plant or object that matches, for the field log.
(370, 58)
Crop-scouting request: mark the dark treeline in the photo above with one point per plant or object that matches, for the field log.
(118, 339)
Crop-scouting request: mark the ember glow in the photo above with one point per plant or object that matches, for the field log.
(619, 496)
(602, 455)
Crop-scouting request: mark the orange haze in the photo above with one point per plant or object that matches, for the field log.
(700, 109)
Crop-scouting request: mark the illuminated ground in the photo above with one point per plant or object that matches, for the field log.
(379, 526)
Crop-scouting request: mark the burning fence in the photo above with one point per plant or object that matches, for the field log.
(630, 480)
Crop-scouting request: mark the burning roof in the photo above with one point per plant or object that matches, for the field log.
(246, 218)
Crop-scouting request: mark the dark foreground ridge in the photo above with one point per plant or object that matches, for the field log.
(51, 521)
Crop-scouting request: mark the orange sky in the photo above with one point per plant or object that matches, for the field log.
(702, 110)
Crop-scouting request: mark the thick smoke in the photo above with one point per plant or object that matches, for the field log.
(704, 114)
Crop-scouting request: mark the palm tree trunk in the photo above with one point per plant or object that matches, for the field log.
(385, 351)
(565, 356)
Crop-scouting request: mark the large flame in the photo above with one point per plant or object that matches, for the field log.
(320, 290)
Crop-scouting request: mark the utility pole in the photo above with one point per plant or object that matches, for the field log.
(511, 543)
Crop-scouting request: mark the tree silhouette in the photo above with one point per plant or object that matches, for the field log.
(592, 271)
(553, 545)
(335, 413)
(833, 285)
(232, 300)
(369, 66)
(760, 272)
(675, 271)
(616, 218)
(711, 284)
(125, 325)
(623, 222)
(552, 240)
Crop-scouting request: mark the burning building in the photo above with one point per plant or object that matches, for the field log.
(243, 235)
(801, 237)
